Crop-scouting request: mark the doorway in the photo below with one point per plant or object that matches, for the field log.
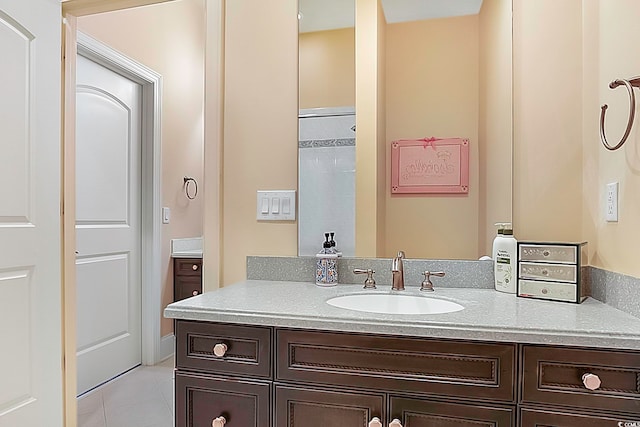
(110, 117)
(148, 39)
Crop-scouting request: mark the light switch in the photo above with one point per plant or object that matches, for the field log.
(286, 206)
(265, 205)
(276, 205)
(166, 215)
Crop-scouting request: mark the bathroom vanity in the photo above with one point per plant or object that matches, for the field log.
(262, 353)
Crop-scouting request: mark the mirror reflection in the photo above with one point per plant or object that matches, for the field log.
(447, 74)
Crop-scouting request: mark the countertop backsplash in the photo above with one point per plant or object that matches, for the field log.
(466, 274)
(617, 290)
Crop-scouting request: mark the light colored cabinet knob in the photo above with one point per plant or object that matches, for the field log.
(591, 381)
(220, 349)
(194, 267)
(219, 422)
(395, 423)
(194, 293)
(375, 422)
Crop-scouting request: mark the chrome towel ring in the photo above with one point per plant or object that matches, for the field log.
(191, 194)
(629, 84)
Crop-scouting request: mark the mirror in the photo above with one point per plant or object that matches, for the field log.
(326, 142)
(447, 74)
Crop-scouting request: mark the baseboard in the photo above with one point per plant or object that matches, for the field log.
(167, 347)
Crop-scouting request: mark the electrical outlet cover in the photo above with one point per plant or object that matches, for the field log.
(611, 202)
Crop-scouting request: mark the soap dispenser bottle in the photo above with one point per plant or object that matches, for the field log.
(327, 264)
(333, 244)
(504, 260)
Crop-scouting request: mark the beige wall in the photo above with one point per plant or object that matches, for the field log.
(381, 128)
(433, 90)
(560, 174)
(169, 39)
(495, 122)
(260, 127)
(547, 120)
(369, 102)
(327, 68)
(610, 51)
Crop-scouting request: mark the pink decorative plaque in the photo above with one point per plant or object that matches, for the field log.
(430, 165)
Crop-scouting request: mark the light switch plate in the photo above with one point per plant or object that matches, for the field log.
(166, 215)
(277, 200)
(611, 202)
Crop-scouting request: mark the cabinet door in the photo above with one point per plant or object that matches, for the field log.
(200, 399)
(186, 287)
(531, 418)
(306, 407)
(429, 413)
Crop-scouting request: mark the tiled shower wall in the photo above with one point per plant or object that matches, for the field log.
(326, 170)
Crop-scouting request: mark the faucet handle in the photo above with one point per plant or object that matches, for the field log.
(427, 285)
(369, 282)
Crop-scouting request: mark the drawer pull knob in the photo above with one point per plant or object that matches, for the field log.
(194, 267)
(194, 293)
(395, 423)
(220, 349)
(375, 422)
(591, 381)
(219, 422)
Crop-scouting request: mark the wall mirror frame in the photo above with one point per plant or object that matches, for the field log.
(444, 70)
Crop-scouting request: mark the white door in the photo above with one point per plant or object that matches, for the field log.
(30, 222)
(108, 223)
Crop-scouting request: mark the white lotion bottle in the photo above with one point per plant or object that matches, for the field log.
(504, 261)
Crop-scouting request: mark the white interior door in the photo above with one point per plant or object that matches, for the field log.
(108, 224)
(30, 221)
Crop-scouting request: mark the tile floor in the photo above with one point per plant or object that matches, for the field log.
(142, 397)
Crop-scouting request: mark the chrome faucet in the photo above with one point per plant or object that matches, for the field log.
(397, 272)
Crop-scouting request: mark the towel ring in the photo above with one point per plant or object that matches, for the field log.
(187, 181)
(629, 84)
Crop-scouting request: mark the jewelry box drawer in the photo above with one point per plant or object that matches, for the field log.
(546, 271)
(548, 253)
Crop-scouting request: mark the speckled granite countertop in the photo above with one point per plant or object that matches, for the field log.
(488, 315)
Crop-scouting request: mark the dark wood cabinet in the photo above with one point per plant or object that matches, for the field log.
(309, 407)
(280, 377)
(432, 413)
(541, 418)
(556, 376)
(187, 278)
(429, 366)
(200, 399)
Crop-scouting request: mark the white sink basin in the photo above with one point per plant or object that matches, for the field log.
(394, 304)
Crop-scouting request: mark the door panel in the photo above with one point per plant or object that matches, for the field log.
(30, 221)
(108, 223)
(105, 198)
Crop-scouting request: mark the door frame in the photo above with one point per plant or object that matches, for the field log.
(151, 173)
(214, 96)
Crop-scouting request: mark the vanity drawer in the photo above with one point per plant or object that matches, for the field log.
(247, 352)
(200, 399)
(187, 267)
(454, 368)
(554, 375)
